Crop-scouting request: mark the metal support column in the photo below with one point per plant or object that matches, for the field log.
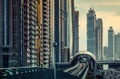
(95, 69)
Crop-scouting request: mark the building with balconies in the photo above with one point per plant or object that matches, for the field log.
(29, 33)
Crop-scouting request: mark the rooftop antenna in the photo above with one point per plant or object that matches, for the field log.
(91, 5)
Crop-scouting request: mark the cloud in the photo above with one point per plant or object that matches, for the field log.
(110, 19)
(97, 1)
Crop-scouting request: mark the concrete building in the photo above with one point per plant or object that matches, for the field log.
(99, 39)
(10, 33)
(91, 26)
(46, 31)
(117, 46)
(76, 33)
(111, 43)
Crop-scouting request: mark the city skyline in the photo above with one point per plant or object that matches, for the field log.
(103, 9)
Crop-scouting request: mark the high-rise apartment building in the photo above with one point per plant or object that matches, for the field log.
(29, 33)
(46, 31)
(91, 25)
(117, 46)
(76, 33)
(99, 39)
(111, 43)
(94, 34)
(10, 33)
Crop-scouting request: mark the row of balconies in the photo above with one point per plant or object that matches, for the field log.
(32, 4)
(45, 2)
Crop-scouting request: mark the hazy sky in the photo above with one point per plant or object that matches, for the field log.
(108, 10)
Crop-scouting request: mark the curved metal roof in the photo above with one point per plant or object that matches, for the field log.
(83, 53)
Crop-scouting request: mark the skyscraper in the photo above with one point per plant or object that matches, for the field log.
(29, 27)
(46, 32)
(59, 28)
(99, 39)
(76, 33)
(91, 25)
(117, 46)
(10, 33)
(110, 43)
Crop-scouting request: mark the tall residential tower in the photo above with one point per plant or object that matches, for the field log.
(111, 43)
(29, 33)
(99, 39)
(117, 46)
(91, 25)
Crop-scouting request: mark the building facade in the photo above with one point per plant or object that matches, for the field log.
(29, 33)
(99, 39)
(117, 46)
(76, 33)
(10, 33)
(91, 25)
(39, 33)
(65, 55)
(70, 26)
(111, 43)
(58, 28)
(47, 31)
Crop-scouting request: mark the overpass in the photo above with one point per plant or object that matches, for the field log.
(82, 65)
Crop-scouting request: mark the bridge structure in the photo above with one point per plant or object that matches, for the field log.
(82, 66)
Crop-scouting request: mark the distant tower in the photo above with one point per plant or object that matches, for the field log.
(106, 52)
(99, 39)
(110, 43)
(91, 23)
(117, 46)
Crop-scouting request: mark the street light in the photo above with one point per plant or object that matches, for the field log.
(54, 65)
